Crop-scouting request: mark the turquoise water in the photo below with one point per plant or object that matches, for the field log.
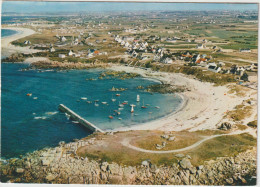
(7, 32)
(29, 124)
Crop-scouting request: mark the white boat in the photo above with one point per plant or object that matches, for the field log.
(96, 104)
(84, 98)
(132, 108)
(35, 98)
(120, 108)
(113, 100)
(157, 107)
(138, 98)
(120, 118)
(104, 103)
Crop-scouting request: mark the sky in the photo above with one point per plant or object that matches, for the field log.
(40, 7)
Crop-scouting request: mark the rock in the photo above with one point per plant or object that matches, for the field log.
(193, 170)
(179, 155)
(45, 162)
(50, 177)
(171, 138)
(19, 170)
(153, 168)
(113, 168)
(103, 166)
(200, 167)
(225, 126)
(165, 136)
(115, 179)
(188, 156)
(185, 163)
(145, 163)
(229, 181)
(241, 179)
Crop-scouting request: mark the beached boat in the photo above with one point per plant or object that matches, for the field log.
(137, 98)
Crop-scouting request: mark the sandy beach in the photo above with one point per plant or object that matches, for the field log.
(6, 46)
(203, 107)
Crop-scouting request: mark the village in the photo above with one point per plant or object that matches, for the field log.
(174, 40)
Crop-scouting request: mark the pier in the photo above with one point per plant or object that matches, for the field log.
(79, 119)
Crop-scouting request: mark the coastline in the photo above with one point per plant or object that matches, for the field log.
(6, 46)
(205, 104)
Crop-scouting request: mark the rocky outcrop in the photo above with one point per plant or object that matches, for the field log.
(62, 165)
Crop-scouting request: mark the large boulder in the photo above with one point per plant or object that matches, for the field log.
(185, 163)
(225, 126)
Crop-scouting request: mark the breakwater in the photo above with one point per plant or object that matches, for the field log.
(78, 118)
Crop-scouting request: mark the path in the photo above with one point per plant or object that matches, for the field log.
(126, 142)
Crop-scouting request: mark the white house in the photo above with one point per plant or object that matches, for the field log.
(245, 50)
(201, 46)
(63, 39)
(70, 53)
(52, 49)
(214, 69)
(62, 56)
(167, 61)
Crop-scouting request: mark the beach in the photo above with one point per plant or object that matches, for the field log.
(6, 46)
(204, 106)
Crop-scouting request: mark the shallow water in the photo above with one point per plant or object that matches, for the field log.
(34, 122)
(7, 32)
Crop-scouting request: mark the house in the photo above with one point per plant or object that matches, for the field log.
(167, 61)
(63, 39)
(214, 68)
(52, 49)
(62, 56)
(27, 42)
(201, 46)
(70, 53)
(96, 52)
(245, 50)
(134, 54)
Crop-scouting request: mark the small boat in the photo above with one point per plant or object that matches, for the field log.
(89, 101)
(136, 114)
(138, 98)
(143, 105)
(110, 117)
(124, 103)
(29, 94)
(104, 103)
(96, 104)
(117, 95)
(96, 100)
(35, 98)
(147, 104)
(118, 113)
(157, 107)
(120, 118)
(120, 108)
(132, 108)
(84, 98)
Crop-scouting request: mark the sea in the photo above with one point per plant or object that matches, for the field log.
(30, 123)
(7, 32)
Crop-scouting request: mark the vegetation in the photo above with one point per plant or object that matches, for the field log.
(165, 88)
(252, 124)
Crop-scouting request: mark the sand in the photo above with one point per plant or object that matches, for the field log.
(203, 107)
(6, 46)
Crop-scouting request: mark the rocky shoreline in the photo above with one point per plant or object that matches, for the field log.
(62, 165)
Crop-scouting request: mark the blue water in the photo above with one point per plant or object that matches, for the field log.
(7, 32)
(29, 124)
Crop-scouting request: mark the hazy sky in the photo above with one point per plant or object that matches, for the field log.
(31, 7)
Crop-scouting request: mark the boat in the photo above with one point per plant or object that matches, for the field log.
(113, 100)
(132, 108)
(120, 105)
(138, 98)
(157, 107)
(29, 94)
(97, 100)
(83, 98)
(118, 113)
(35, 98)
(120, 108)
(120, 118)
(117, 95)
(104, 103)
(136, 114)
(89, 101)
(124, 103)
(110, 117)
(143, 105)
